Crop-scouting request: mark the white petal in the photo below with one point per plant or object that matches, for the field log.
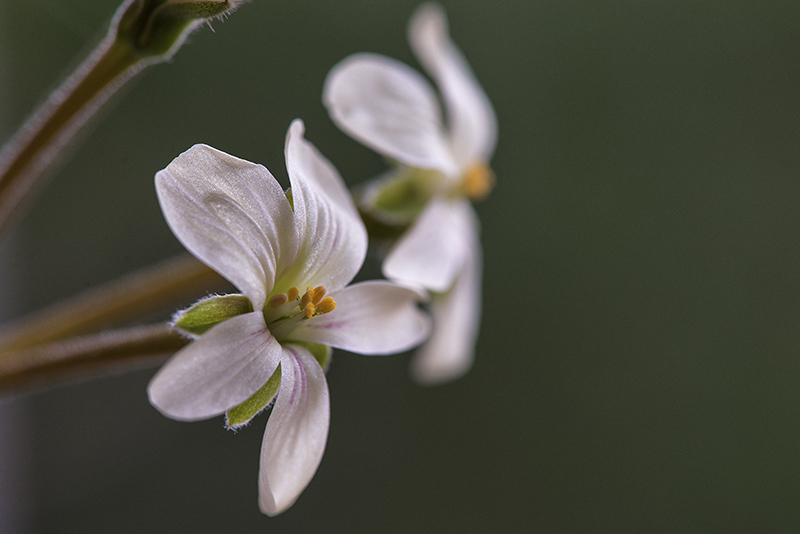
(231, 214)
(431, 252)
(333, 240)
(218, 371)
(296, 432)
(391, 108)
(473, 124)
(376, 317)
(450, 350)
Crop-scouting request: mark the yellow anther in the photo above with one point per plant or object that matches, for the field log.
(306, 298)
(326, 306)
(293, 293)
(314, 302)
(318, 293)
(278, 300)
(478, 181)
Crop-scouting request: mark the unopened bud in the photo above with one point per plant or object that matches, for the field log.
(158, 27)
(211, 311)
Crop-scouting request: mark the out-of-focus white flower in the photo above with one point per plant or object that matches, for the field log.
(292, 255)
(391, 108)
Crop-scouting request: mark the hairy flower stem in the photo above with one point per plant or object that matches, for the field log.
(165, 286)
(43, 140)
(57, 344)
(142, 32)
(84, 357)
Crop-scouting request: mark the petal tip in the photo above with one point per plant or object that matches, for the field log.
(429, 16)
(430, 375)
(297, 128)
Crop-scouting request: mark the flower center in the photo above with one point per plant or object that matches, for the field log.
(284, 311)
(478, 181)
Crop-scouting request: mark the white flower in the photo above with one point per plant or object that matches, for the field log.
(393, 109)
(234, 216)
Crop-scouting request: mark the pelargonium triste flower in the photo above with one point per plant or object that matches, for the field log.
(393, 109)
(292, 256)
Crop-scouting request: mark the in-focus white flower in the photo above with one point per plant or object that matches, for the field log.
(292, 255)
(393, 109)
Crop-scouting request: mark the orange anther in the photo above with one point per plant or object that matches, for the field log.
(478, 181)
(326, 306)
(319, 292)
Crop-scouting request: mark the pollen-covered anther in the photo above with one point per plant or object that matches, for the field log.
(278, 300)
(314, 302)
(318, 294)
(478, 181)
(293, 293)
(307, 298)
(327, 305)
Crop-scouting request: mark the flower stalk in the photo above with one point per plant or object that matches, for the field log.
(142, 32)
(130, 298)
(111, 351)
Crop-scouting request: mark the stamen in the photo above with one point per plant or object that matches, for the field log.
(326, 306)
(478, 181)
(273, 314)
(319, 292)
(293, 293)
(314, 302)
(281, 314)
(283, 327)
(278, 300)
(306, 298)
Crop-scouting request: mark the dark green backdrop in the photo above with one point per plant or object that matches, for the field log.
(638, 368)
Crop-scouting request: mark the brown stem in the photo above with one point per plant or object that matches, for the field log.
(36, 148)
(84, 357)
(142, 32)
(168, 285)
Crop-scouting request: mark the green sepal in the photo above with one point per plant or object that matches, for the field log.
(241, 415)
(211, 311)
(321, 353)
(398, 198)
(194, 9)
(157, 27)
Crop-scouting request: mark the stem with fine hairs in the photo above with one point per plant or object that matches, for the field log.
(112, 351)
(166, 286)
(141, 33)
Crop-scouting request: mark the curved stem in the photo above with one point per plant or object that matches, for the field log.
(142, 32)
(37, 147)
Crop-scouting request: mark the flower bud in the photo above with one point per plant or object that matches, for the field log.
(158, 27)
(209, 312)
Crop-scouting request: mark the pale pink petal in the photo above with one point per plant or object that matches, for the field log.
(391, 108)
(333, 240)
(218, 371)
(449, 352)
(473, 124)
(296, 432)
(231, 214)
(376, 317)
(431, 252)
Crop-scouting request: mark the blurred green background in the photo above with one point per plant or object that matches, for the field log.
(638, 368)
